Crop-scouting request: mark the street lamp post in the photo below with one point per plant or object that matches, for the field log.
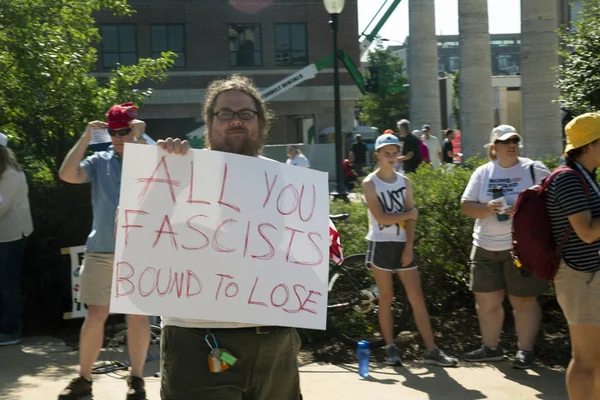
(334, 8)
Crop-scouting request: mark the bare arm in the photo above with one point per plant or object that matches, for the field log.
(380, 216)
(479, 210)
(451, 154)
(586, 227)
(410, 224)
(406, 157)
(70, 171)
(440, 156)
(351, 156)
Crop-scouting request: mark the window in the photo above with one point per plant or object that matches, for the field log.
(504, 61)
(453, 64)
(118, 45)
(245, 49)
(290, 44)
(169, 38)
(448, 44)
(575, 8)
(441, 65)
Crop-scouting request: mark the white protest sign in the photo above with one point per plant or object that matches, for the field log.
(223, 237)
(78, 310)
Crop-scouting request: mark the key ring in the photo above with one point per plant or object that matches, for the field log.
(216, 346)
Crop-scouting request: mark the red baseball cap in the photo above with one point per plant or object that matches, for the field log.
(118, 116)
(388, 131)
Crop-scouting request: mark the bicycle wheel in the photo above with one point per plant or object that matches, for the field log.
(353, 303)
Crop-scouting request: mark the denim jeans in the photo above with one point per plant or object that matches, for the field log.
(11, 264)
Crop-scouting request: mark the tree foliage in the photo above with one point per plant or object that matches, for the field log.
(579, 72)
(383, 110)
(47, 94)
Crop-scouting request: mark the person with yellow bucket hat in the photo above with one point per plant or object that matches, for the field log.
(577, 282)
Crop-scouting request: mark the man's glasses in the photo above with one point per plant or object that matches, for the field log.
(119, 132)
(227, 115)
(509, 141)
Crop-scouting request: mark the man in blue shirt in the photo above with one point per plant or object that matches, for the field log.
(103, 171)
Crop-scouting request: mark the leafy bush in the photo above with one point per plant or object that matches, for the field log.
(443, 234)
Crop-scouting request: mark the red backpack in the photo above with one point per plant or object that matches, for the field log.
(533, 246)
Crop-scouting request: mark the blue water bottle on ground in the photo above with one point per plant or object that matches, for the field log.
(363, 353)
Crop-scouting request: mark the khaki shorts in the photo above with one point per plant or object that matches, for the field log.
(578, 294)
(494, 270)
(96, 278)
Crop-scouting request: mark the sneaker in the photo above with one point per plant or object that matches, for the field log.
(485, 353)
(7, 340)
(437, 357)
(392, 355)
(78, 388)
(136, 388)
(524, 359)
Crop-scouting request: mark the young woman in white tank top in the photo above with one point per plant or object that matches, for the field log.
(392, 218)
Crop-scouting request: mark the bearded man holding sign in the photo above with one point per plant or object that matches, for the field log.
(241, 360)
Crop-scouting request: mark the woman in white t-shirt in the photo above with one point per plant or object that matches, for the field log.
(295, 157)
(493, 273)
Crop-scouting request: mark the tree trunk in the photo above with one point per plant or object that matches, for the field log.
(541, 117)
(476, 108)
(424, 85)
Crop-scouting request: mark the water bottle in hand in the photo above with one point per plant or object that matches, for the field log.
(498, 195)
(363, 353)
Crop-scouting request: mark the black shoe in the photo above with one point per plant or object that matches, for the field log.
(78, 388)
(524, 359)
(136, 388)
(7, 340)
(485, 353)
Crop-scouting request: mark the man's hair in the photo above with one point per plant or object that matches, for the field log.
(404, 124)
(448, 132)
(242, 84)
(295, 148)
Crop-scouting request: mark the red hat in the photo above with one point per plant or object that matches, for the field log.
(118, 116)
(388, 131)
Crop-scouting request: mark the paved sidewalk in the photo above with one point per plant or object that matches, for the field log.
(42, 366)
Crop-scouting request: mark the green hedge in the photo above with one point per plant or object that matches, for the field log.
(62, 218)
(442, 235)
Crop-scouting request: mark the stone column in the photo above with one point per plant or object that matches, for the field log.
(424, 85)
(476, 107)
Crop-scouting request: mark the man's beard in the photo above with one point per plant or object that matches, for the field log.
(246, 147)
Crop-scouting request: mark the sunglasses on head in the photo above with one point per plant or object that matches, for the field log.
(119, 132)
(509, 141)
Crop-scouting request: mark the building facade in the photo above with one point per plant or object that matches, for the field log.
(568, 11)
(267, 40)
(505, 52)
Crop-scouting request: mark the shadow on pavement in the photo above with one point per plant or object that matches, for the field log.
(426, 378)
(370, 378)
(549, 382)
(40, 357)
(38, 361)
